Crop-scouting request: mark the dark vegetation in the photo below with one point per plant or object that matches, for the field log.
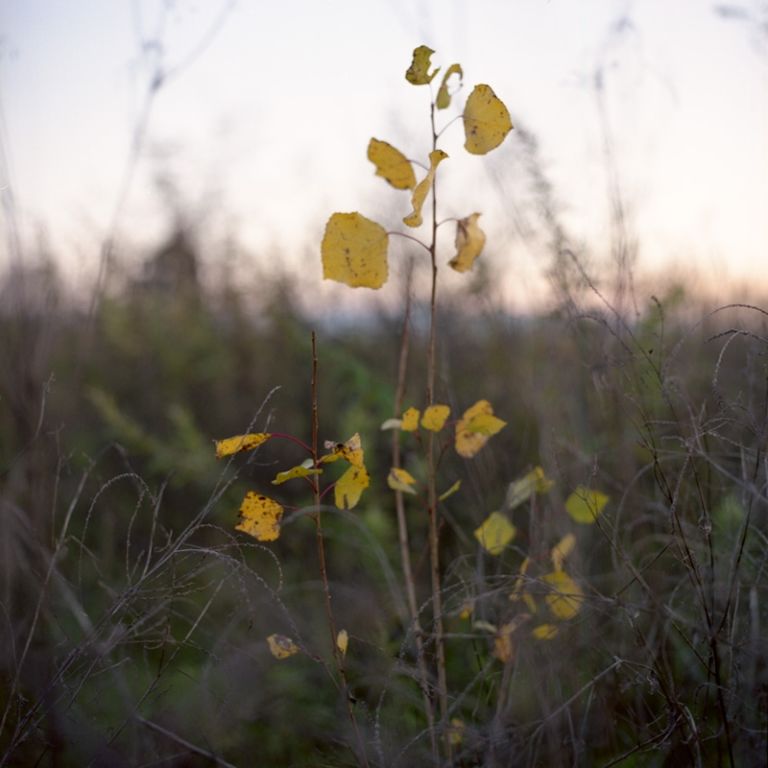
(133, 618)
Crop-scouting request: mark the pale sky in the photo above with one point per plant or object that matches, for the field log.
(269, 106)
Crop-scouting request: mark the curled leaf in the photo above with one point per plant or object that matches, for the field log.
(503, 649)
(434, 417)
(350, 486)
(486, 121)
(410, 420)
(342, 641)
(443, 100)
(282, 647)
(391, 164)
(516, 592)
(290, 474)
(392, 424)
(401, 480)
(415, 219)
(561, 550)
(565, 600)
(418, 73)
(475, 427)
(446, 494)
(495, 533)
(522, 489)
(354, 251)
(260, 517)
(470, 240)
(585, 505)
(248, 442)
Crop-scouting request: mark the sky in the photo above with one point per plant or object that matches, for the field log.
(265, 111)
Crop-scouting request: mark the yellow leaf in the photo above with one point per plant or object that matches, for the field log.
(585, 505)
(354, 251)
(456, 731)
(240, 443)
(503, 649)
(260, 517)
(289, 474)
(495, 533)
(434, 417)
(545, 631)
(414, 219)
(351, 451)
(530, 603)
(350, 486)
(566, 597)
(455, 487)
(391, 164)
(443, 100)
(515, 594)
(561, 550)
(410, 421)
(282, 647)
(342, 641)
(522, 489)
(401, 480)
(475, 427)
(470, 240)
(465, 612)
(418, 72)
(486, 121)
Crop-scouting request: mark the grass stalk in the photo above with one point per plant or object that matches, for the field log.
(322, 561)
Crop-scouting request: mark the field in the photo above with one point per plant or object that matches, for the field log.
(246, 523)
(135, 618)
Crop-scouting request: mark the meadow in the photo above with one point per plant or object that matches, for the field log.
(586, 585)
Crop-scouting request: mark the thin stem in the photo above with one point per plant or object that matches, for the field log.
(434, 542)
(337, 655)
(410, 237)
(402, 524)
